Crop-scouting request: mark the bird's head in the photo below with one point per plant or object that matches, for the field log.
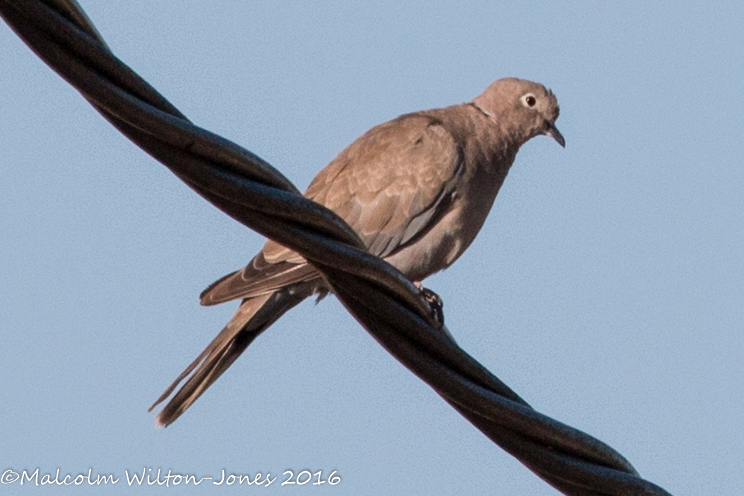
(522, 108)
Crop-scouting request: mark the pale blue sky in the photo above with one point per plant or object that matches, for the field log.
(606, 287)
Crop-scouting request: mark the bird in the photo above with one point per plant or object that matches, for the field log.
(416, 189)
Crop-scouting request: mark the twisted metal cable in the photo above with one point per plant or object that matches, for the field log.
(379, 297)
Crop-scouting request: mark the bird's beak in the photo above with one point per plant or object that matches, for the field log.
(552, 131)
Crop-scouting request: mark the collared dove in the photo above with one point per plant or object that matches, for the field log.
(416, 189)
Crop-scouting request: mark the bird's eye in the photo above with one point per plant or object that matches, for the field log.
(529, 100)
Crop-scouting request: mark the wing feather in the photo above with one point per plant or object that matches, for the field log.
(390, 185)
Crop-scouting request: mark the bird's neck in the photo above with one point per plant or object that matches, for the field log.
(496, 138)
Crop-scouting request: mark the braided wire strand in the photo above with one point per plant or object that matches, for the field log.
(379, 297)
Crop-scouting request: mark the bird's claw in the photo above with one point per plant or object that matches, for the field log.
(435, 302)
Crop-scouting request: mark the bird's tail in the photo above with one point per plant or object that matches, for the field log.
(253, 316)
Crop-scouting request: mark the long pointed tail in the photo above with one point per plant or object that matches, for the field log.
(253, 316)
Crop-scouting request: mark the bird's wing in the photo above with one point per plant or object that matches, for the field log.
(391, 185)
(257, 278)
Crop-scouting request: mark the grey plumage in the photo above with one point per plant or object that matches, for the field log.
(416, 189)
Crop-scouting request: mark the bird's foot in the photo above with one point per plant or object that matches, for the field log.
(435, 302)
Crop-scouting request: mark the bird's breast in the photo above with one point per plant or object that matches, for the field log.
(469, 205)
